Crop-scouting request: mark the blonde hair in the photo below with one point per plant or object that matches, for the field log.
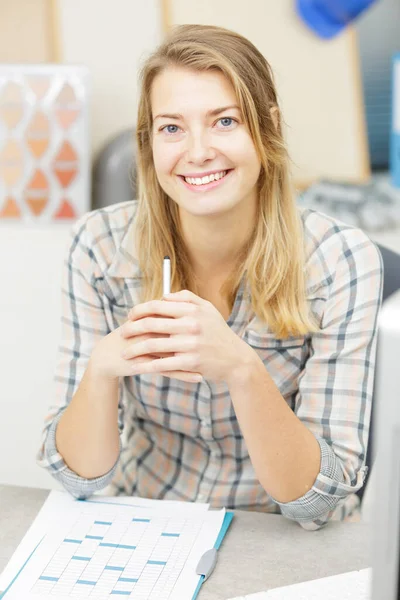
(273, 260)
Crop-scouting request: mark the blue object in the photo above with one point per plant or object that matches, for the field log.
(225, 526)
(327, 18)
(395, 129)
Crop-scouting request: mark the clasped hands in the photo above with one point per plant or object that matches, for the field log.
(182, 336)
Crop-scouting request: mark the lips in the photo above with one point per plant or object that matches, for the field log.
(206, 186)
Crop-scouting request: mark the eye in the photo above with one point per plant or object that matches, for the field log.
(227, 119)
(227, 122)
(167, 126)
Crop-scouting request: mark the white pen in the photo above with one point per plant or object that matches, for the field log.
(166, 275)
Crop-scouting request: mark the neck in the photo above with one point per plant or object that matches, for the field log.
(214, 243)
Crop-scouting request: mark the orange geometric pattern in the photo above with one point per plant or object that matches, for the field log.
(11, 163)
(38, 134)
(44, 154)
(37, 194)
(66, 106)
(65, 211)
(10, 209)
(65, 165)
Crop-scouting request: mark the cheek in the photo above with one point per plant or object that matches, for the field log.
(243, 151)
(164, 158)
(248, 159)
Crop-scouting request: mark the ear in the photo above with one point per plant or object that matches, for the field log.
(274, 111)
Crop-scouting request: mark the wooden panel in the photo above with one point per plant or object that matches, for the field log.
(318, 82)
(27, 31)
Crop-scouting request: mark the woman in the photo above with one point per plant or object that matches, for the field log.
(250, 386)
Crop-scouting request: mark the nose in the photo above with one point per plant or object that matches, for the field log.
(199, 149)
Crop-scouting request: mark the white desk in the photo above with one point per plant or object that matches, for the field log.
(260, 551)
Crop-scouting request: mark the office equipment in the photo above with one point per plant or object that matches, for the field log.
(347, 586)
(114, 171)
(207, 563)
(104, 548)
(372, 206)
(395, 135)
(386, 521)
(391, 283)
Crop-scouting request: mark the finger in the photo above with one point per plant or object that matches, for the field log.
(157, 355)
(184, 362)
(184, 376)
(160, 326)
(162, 308)
(184, 296)
(159, 345)
(144, 359)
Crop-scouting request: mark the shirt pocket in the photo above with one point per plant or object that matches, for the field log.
(284, 359)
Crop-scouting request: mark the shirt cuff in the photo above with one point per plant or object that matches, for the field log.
(78, 486)
(331, 487)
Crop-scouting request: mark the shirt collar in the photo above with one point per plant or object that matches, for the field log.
(125, 263)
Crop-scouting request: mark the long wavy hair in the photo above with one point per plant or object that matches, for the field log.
(273, 259)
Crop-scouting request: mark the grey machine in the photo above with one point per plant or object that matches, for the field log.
(386, 520)
(114, 171)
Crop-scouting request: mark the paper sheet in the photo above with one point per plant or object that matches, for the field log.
(60, 503)
(347, 586)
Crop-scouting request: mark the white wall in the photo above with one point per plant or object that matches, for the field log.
(30, 275)
(110, 37)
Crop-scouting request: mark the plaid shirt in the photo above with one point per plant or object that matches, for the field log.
(182, 441)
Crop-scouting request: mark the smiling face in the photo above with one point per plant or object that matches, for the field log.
(195, 138)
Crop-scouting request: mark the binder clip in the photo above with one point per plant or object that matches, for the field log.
(207, 563)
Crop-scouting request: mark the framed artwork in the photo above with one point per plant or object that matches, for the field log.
(44, 143)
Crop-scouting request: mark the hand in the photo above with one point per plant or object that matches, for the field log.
(198, 338)
(106, 359)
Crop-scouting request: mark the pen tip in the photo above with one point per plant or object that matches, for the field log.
(167, 257)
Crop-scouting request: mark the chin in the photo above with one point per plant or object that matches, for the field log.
(207, 208)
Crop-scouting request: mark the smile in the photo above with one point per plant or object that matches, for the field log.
(203, 187)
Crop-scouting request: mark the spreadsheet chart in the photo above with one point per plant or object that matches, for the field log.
(110, 551)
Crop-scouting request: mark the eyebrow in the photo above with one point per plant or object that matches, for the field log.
(210, 113)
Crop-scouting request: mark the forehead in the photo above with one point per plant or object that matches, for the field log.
(180, 90)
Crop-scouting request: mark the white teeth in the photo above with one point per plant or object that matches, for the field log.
(206, 179)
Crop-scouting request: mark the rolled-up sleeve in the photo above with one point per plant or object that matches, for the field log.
(83, 324)
(335, 388)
